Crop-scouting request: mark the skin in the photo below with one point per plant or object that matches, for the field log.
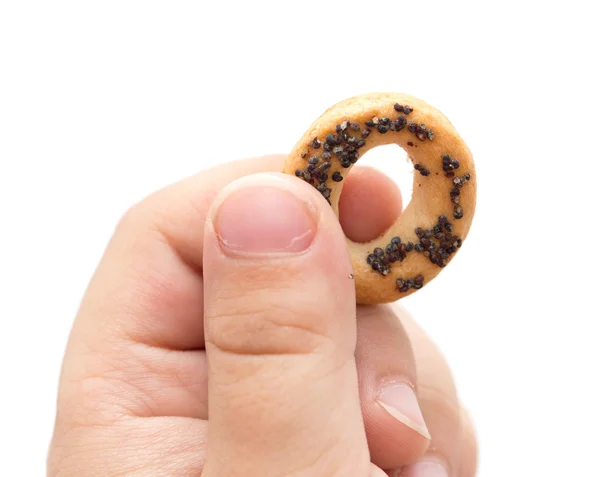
(296, 371)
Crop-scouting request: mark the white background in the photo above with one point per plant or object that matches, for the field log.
(103, 102)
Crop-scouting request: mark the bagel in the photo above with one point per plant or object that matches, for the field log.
(432, 228)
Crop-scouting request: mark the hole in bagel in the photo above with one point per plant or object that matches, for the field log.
(371, 199)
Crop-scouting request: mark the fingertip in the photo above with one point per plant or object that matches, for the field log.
(370, 203)
(396, 430)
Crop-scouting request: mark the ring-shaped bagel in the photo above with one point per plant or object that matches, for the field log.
(431, 229)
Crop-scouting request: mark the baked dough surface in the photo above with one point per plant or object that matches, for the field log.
(436, 149)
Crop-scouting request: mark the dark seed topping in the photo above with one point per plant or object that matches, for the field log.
(370, 124)
(395, 125)
(382, 128)
(403, 109)
(423, 170)
(412, 127)
(355, 126)
(458, 212)
(326, 156)
(330, 139)
(337, 177)
(365, 133)
(316, 143)
(313, 160)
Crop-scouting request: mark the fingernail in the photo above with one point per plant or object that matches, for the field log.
(424, 468)
(400, 401)
(263, 217)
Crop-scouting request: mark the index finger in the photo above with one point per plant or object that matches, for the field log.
(149, 286)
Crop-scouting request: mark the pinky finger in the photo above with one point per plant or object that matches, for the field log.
(468, 457)
(431, 467)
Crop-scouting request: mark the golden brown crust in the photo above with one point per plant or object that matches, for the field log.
(431, 194)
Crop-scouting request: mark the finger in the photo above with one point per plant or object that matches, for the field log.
(148, 287)
(152, 267)
(131, 447)
(468, 448)
(280, 335)
(148, 290)
(370, 203)
(396, 430)
(144, 305)
(432, 466)
(437, 396)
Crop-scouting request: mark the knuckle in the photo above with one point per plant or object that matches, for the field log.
(142, 215)
(133, 216)
(269, 316)
(264, 329)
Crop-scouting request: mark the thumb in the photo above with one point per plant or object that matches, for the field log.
(280, 335)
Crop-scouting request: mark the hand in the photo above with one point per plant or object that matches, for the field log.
(220, 337)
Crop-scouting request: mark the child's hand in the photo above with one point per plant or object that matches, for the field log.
(219, 337)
